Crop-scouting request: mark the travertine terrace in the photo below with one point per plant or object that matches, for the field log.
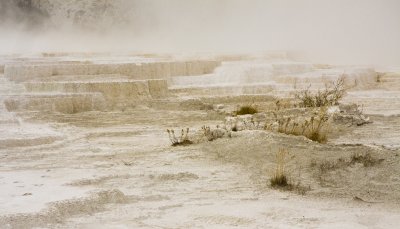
(83, 143)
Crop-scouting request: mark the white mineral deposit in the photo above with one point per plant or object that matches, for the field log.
(199, 114)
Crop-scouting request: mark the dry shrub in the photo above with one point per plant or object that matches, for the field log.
(247, 109)
(280, 179)
(326, 166)
(315, 128)
(207, 133)
(213, 134)
(327, 97)
(281, 104)
(379, 77)
(235, 129)
(183, 140)
(364, 158)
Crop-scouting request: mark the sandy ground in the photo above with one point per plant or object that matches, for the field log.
(118, 170)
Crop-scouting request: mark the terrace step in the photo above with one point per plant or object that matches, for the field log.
(9, 87)
(154, 70)
(81, 78)
(55, 102)
(379, 102)
(223, 90)
(16, 135)
(110, 89)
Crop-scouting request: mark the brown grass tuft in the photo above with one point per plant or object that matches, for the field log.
(244, 110)
(315, 128)
(279, 179)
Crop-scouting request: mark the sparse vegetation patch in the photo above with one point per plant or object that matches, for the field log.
(244, 110)
(314, 128)
(327, 97)
(183, 139)
(213, 134)
(279, 178)
(364, 158)
(205, 134)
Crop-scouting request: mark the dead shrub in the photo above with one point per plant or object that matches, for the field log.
(329, 96)
(183, 140)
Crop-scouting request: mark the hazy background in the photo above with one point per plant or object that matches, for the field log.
(329, 31)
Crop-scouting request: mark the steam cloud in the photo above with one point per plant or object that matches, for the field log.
(329, 31)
